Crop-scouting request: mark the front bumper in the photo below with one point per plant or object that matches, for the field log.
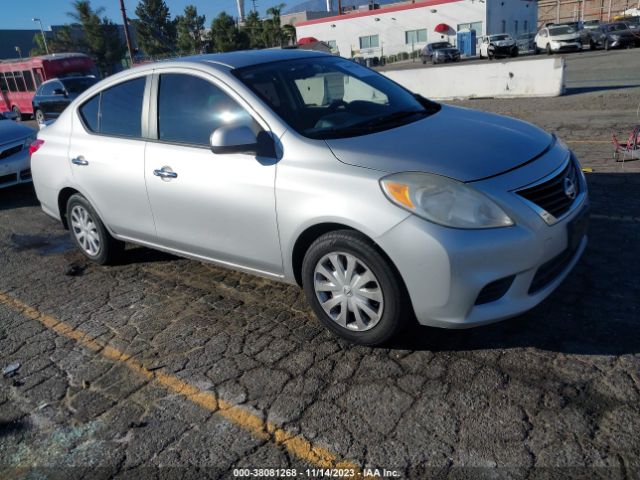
(566, 46)
(452, 274)
(448, 57)
(14, 167)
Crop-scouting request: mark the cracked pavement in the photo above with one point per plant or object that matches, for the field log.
(552, 393)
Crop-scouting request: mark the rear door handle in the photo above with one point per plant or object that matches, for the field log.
(79, 160)
(165, 173)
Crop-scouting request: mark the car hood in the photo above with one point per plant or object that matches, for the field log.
(503, 43)
(569, 37)
(455, 142)
(446, 50)
(11, 131)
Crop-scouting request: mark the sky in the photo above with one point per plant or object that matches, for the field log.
(19, 13)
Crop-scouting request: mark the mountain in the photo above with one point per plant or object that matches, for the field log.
(321, 5)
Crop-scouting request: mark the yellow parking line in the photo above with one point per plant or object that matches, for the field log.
(268, 431)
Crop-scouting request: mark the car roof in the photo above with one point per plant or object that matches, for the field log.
(246, 58)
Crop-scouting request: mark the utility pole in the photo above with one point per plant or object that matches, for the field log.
(126, 31)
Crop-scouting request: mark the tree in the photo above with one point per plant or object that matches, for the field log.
(253, 29)
(289, 34)
(225, 35)
(61, 41)
(101, 37)
(156, 32)
(274, 28)
(190, 27)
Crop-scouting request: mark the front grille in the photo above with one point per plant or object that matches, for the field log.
(8, 178)
(550, 195)
(494, 290)
(10, 151)
(549, 271)
(25, 174)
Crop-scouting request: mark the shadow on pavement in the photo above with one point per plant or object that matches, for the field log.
(578, 90)
(18, 196)
(595, 311)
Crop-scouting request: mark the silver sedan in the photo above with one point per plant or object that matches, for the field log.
(310, 169)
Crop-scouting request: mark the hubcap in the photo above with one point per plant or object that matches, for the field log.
(348, 291)
(85, 230)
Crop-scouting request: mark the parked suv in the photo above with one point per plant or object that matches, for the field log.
(501, 45)
(307, 168)
(440, 52)
(558, 38)
(53, 96)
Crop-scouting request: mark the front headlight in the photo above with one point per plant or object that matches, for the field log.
(29, 140)
(443, 201)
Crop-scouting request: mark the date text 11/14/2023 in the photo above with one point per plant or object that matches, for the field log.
(315, 473)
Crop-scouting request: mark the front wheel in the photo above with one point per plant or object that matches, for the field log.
(353, 289)
(549, 51)
(39, 116)
(89, 233)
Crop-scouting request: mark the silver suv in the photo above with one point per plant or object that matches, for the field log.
(308, 168)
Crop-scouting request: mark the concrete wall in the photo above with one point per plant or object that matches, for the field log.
(528, 78)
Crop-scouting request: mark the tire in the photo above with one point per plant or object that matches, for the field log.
(592, 45)
(481, 57)
(39, 116)
(17, 111)
(536, 50)
(515, 52)
(347, 249)
(549, 51)
(607, 45)
(82, 219)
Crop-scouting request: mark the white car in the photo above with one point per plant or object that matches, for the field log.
(501, 45)
(15, 140)
(558, 38)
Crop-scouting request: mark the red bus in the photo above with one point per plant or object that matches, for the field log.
(19, 79)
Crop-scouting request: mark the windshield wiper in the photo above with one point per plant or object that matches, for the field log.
(389, 118)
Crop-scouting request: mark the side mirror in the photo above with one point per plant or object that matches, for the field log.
(234, 139)
(60, 91)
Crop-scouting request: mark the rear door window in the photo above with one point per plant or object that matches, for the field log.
(117, 110)
(121, 109)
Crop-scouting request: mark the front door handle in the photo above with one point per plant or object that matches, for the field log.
(79, 160)
(165, 173)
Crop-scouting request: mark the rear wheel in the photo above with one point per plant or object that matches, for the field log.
(39, 116)
(549, 51)
(353, 289)
(89, 233)
(18, 113)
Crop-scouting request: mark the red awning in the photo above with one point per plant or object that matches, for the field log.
(307, 40)
(442, 28)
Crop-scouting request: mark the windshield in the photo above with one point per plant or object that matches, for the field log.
(497, 38)
(78, 85)
(331, 97)
(438, 46)
(564, 30)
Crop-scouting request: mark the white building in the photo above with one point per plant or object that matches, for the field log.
(404, 27)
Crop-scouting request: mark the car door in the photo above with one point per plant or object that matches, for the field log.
(216, 206)
(46, 98)
(106, 156)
